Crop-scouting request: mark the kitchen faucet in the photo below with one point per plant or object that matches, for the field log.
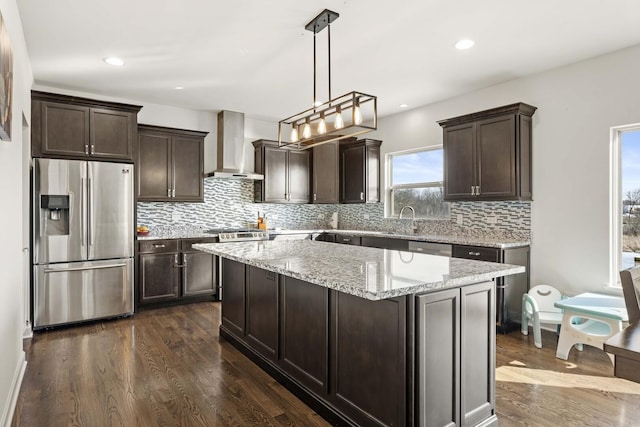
(413, 217)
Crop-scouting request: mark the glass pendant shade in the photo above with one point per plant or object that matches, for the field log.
(339, 122)
(322, 125)
(357, 115)
(306, 130)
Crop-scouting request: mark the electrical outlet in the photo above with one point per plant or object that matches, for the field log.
(176, 216)
(366, 216)
(459, 219)
(492, 219)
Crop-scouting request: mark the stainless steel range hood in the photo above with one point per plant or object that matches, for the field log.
(231, 148)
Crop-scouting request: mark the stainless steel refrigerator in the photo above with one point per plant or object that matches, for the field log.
(82, 241)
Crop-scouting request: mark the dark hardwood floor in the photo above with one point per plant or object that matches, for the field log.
(168, 367)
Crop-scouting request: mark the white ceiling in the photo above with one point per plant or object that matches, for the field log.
(256, 57)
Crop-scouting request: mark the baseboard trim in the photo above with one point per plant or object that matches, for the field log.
(10, 404)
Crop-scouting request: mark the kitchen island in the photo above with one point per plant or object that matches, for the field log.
(366, 336)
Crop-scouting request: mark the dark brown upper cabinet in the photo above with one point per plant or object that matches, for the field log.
(79, 128)
(487, 155)
(286, 173)
(326, 173)
(170, 164)
(360, 171)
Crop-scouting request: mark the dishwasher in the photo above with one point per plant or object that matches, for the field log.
(430, 248)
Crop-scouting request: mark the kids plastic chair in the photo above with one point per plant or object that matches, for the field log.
(538, 308)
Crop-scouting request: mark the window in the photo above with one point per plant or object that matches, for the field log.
(415, 179)
(625, 217)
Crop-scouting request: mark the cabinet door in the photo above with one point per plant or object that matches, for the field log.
(459, 161)
(304, 341)
(233, 292)
(298, 165)
(477, 353)
(65, 130)
(275, 175)
(352, 175)
(496, 158)
(372, 174)
(154, 171)
(438, 366)
(326, 173)
(158, 277)
(368, 359)
(187, 169)
(262, 311)
(198, 274)
(112, 134)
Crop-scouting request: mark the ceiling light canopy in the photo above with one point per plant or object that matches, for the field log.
(464, 44)
(112, 60)
(345, 116)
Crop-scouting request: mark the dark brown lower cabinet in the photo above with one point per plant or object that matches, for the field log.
(233, 288)
(368, 359)
(171, 271)
(304, 341)
(456, 376)
(261, 302)
(425, 360)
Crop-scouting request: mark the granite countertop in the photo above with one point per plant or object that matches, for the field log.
(369, 273)
(489, 242)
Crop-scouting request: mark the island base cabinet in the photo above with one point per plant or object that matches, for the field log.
(233, 288)
(261, 306)
(456, 384)
(369, 360)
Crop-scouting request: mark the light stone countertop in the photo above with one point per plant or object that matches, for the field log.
(369, 273)
(488, 242)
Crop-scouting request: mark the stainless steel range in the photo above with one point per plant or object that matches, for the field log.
(229, 235)
(226, 235)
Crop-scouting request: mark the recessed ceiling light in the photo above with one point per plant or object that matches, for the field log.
(464, 44)
(179, 87)
(403, 105)
(112, 60)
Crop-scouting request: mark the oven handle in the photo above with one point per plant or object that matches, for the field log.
(58, 270)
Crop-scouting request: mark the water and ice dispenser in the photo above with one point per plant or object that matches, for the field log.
(54, 214)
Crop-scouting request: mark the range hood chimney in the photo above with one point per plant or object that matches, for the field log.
(231, 148)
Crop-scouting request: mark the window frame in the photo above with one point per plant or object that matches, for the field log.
(389, 187)
(616, 199)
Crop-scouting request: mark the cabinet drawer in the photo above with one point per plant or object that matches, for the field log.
(185, 244)
(477, 253)
(157, 246)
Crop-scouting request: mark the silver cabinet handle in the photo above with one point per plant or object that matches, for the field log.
(62, 270)
(86, 148)
(173, 193)
(361, 195)
(315, 197)
(477, 190)
(184, 260)
(346, 240)
(473, 190)
(474, 253)
(93, 149)
(175, 261)
(420, 249)
(159, 245)
(168, 192)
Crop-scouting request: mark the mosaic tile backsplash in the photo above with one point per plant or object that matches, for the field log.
(229, 203)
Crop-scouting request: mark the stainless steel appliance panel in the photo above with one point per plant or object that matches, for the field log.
(73, 292)
(110, 210)
(53, 242)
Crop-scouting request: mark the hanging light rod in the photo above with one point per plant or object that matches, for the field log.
(346, 116)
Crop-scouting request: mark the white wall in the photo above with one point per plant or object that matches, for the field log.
(12, 214)
(577, 106)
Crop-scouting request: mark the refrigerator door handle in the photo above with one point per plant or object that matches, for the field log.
(83, 214)
(59, 270)
(90, 210)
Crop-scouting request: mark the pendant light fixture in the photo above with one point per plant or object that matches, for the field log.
(325, 122)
